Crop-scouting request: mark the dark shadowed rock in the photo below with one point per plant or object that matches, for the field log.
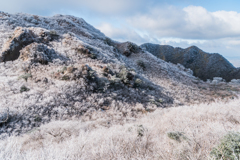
(23, 37)
(12, 47)
(127, 48)
(204, 65)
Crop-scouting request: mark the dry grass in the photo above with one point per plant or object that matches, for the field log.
(202, 127)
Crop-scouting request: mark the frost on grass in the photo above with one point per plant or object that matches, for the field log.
(203, 131)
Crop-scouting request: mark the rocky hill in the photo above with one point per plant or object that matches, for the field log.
(62, 68)
(204, 65)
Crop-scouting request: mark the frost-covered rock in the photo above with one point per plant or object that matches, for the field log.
(21, 38)
(38, 53)
(235, 81)
(127, 48)
(219, 79)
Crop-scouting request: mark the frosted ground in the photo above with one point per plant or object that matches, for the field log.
(145, 138)
(70, 92)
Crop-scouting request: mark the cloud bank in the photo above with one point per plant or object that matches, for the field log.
(191, 22)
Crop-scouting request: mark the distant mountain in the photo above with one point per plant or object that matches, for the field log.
(204, 65)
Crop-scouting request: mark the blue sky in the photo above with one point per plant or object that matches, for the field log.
(213, 26)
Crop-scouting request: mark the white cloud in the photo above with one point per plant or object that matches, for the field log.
(191, 22)
(121, 33)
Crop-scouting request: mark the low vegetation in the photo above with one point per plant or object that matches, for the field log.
(197, 132)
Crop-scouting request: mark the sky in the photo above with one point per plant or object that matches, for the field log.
(212, 25)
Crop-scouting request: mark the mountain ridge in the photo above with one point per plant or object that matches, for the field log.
(204, 65)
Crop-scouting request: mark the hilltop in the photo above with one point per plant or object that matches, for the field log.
(204, 65)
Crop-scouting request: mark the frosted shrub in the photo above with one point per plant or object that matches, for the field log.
(229, 147)
(194, 133)
(141, 64)
(25, 76)
(4, 115)
(24, 89)
(177, 136)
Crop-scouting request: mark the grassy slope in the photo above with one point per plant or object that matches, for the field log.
(146, 138)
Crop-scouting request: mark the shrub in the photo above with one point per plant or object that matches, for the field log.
(229, 147)
(177, 136)
(88, 51)
(4, 115)
(24, 89)
(109, 42)
(70, 69)
(25, 76)
(64, 69)
(140, 130)
(37, 118)
(138, 82)
(65, 78)
(54, 33)
(125, 75)
(141, 64)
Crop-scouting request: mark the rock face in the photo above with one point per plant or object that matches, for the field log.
(12, 47)
(204, 65)
(23, 37)
(127, 48)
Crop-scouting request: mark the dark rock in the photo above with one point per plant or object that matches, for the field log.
(12, 47)
(21, 38)
(127, 48)
(24, 89)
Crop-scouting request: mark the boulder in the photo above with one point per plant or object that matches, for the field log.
(11, 48)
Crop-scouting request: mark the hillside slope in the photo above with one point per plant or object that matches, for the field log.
(61, 68)
(187, 132)
(204, 65)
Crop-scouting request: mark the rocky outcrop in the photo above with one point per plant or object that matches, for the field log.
(23, 37)
(12, 47)
(127, 48)
(235, 74)
(204, 65)
(38, 53)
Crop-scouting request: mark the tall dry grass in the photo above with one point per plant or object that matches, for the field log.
(196, 130)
